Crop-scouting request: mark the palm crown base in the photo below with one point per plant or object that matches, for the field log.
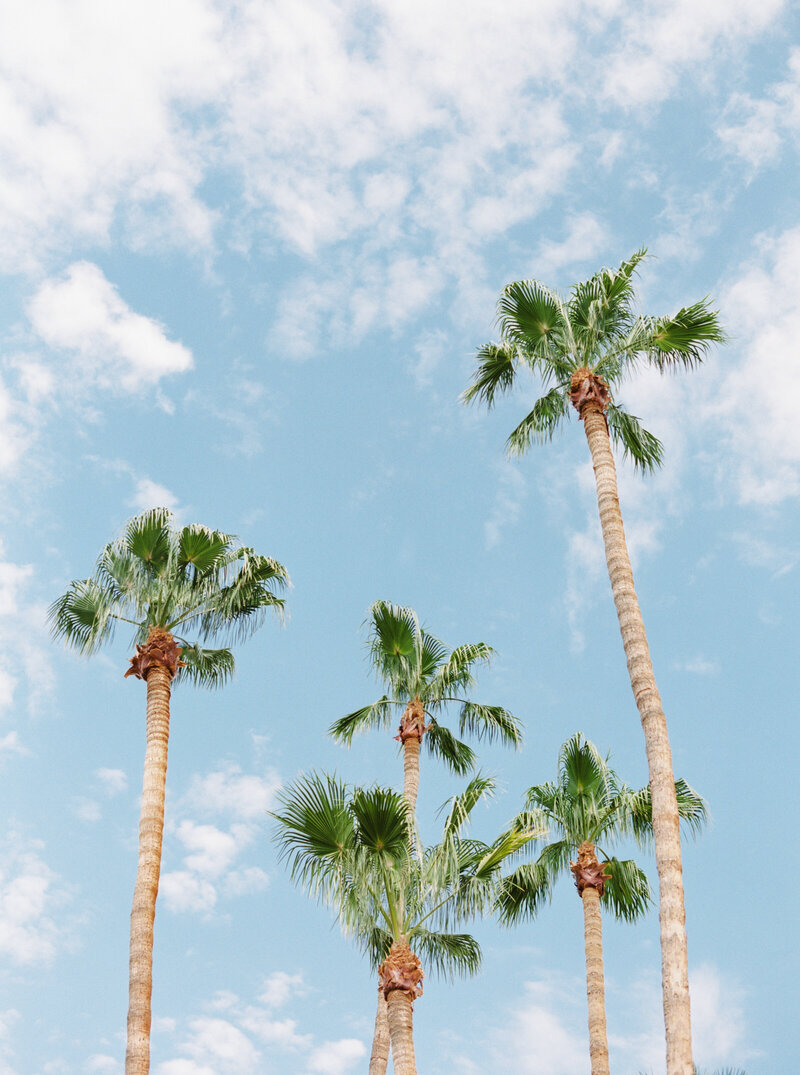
(401, 971)
(160, 650)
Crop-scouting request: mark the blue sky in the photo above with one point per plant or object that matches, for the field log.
(248, 252)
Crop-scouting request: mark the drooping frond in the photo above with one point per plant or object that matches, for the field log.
(84, 616)
(540, 424)
(523, 893)
(454, 673)
(442, 744)
(494, 375)
(692, 811)
(377, 715)
(205, 667)
(642, 448)
(315, 831)
(490, 722)
(447, 954)
(432, 654)
(684, 339)
(627, 893)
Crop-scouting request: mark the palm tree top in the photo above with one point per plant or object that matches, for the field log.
(595, 332)
(589, 804)
(184, 580)
(417, 669)
(356, 850)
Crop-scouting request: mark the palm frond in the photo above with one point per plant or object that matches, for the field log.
(627, 892)
(540, 424)
(531, 315)
(642, 448)
(147, 536)
(205, 667)
(458, 756)
(84, 617)
(383, 822)
(523, 893)
(462, 805)
(376, 715)
(455, 672)
(490, 722)
(447, 954)
(684, 339)
(494, 375)
(314, 830)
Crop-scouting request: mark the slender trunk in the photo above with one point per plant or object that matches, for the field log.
(595, 983)
(400, 1014)
(411, 771)
(151, 827)
(380, 1039)
(672, 916)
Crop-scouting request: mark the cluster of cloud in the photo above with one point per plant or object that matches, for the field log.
(30, 895)
(757, 129)
(210, 867)
(231, 1037)
(545, 1034)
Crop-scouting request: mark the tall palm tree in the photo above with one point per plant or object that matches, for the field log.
(356, 850)
(166, 583)
(582, 347)
(422, 678)
(588, 811)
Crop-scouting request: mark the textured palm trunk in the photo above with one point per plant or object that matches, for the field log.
(595, 981)
(379, 1059)
(400, 1014)
(672, 916)
(156, 662)
(411, 772)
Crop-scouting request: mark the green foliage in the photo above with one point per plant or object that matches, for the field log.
(414, 664)
(597, 327)
(187, 579)
(357, 851)
(588, 803)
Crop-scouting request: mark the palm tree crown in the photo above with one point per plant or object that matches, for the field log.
(181, 580)
(422, 679)
(589, 804)
(583, 346)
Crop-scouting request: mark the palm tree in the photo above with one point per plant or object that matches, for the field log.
(165, 582)
(356, 850)
(588, 811)
(583, 346)
(423, 678)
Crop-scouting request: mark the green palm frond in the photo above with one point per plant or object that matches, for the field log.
(628, 892)
(147, 537)
(442, 744)
(382, 821)
(454, 673)
(461, 806)
(448, 954)
(494, 375)
(642, 448)
(638, 811)
(201, 550)
(490, 722)
(541, 423)
(315, 831)
(523, 893)
(532, 317)
(601, 307)
(684, 339)
(205, 667)
(84, 616)
(378, 715)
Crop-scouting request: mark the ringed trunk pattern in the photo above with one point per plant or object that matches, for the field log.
(671, 910)
(400, 976)
(590, 878)
(155, 662)
(412, 729)
(379, 1059)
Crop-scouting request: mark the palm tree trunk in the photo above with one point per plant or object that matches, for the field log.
(672, 915)
(595, 983)
(151, 827)
(411, 771)
(400, 1014)
(379, 1059)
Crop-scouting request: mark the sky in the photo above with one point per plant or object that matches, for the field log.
(249, 250)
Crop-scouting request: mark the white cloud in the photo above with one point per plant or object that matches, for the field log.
(230, 791)
(336, 1057)
(584, 240)
(23, 636)
(756, 129)
(211, 850)
(87, 810)
(698, 666)
(114, 781)
(30, 894)
(245, 882)
(150, 494)
(103, 1063)
(762, 310)
(719, 1023)
(279, 987)
(662, 41)
(182, 890)
(112, 346)
(10, 743)
(507, 503)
